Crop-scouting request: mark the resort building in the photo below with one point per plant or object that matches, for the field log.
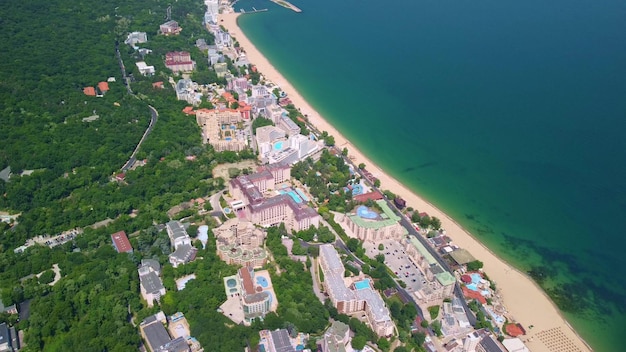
(254, 292)
(135, 38)
(285, 207)
(369, 224)
(336, 338)
(222, 129)
(276, 341)
(180, 241)
(151, 286)
(144, 69)
(187, 90)
(9, 341)
(358, 296)
(153, 331)
(170, 28)
(121, 243)
(274, 145)
(240, 243)
(221, 69)
(179, 61)
(440, 283)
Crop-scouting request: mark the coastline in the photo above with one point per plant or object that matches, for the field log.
(523, 298)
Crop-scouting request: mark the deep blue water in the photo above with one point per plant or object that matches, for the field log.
(507, 115)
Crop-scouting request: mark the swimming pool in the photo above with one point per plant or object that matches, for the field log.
(292, 194)
(302, 195)
(360, 285)
(364, 212)
(261, 281)
(278, 145)
(472, 287)
(476, 278)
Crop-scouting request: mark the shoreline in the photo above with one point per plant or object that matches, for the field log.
(523, 298)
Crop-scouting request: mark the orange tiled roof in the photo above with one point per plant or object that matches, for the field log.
(473, 294)
(90, 91)
(514, 330)
(103, 86)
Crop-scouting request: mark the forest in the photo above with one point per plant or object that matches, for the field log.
(63, 176)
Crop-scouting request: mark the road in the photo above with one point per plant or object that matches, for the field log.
(153, 119)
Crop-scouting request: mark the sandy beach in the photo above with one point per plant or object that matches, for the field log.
(523, 299)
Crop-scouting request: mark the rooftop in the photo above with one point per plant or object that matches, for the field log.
(281, 341)
(121, 243)
(176, 230)
(151, 282)
(388, 217)
(375, 303)
(462, 256)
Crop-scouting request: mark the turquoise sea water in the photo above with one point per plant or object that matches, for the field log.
(506, 115)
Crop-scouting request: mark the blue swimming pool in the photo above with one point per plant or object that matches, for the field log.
(302, 195)
(278, 145)
(292, 194)
(360, 285)
(476, 278)
(261, 281)
(472, 287)
(365, 213)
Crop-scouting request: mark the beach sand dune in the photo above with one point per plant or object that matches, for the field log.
(523, 299)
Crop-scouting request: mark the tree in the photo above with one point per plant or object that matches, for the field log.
(260, 122)
(419, 337)
(377, 183)
(329, 141)
(380, 258)
(381, 247)
(344, 152)
(435, 223)
(358, 342)
(400, 349)
(353, 244)
(474, 265)
(434, 311)
(383, 344)
(361, 166)
(47, 277)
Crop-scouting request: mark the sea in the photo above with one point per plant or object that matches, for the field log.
(508, 115)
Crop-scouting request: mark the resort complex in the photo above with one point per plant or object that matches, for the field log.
(222, 129)
(262, 199)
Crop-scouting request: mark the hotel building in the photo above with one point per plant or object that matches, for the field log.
(440, 283)
(356, 297)
(220, 129)
(248, 192)
(384, 226)
(240, 243)
(184, 252)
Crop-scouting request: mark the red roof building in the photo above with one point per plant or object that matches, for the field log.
(179, 61)
(514, 330)
(103, 86)
(90, 91)
(121, 243)
(474, 295)
(158, 85)
(362, 198)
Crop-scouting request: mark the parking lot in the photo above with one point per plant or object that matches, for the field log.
(399, 263)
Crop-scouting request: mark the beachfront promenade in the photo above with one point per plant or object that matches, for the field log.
(524, 300)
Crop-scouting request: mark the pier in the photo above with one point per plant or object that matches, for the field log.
(254, 10)
(286, 4)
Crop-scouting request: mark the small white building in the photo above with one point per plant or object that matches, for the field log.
(144, 69)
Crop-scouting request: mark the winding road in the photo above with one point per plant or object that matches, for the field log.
(133, 158)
